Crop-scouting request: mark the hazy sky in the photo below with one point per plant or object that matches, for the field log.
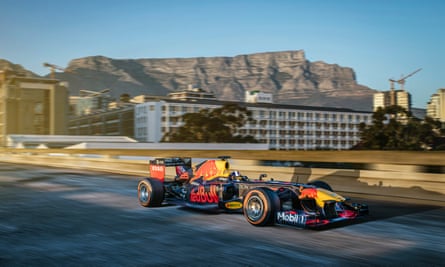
(379, 39)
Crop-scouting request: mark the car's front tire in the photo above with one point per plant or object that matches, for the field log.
(260, 206)
(150, 192)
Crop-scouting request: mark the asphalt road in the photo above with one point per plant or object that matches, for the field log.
(61, 217)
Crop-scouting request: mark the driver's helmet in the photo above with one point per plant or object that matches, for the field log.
(235, 174)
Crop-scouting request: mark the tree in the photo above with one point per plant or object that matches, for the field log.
(219, 125)
(393, 128)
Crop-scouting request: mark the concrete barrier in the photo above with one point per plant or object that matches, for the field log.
(401, 183)
(387, 180)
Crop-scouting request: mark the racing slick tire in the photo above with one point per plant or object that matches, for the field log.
(260, 206)
(150, 192)
(321, 184)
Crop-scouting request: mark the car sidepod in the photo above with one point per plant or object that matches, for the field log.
(203, 196)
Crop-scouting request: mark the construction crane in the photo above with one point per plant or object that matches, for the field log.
(53, 69)
(84, 92)
(400, 81)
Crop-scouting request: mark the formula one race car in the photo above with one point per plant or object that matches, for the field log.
(212, 185)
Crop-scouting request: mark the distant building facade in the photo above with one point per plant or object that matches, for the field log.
(30, 105)
(258, 97)
(90, 101)
(191, 93)
(118, 121)
(383, 99)
(282, 127)
(436, 105)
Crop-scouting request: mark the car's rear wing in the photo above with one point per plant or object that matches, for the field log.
(157, 166)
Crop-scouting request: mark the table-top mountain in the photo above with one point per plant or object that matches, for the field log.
(288, 75)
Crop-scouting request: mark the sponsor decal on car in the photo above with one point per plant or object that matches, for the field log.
(157, 171)
(308, 193)
(202, 194)
(291, 218)
(234, 205)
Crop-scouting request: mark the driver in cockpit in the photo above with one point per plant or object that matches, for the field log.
(236, 176)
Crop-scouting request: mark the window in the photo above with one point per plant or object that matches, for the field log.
(261, 113)
(272, 114)
(300, 115)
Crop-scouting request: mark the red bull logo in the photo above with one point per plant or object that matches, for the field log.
(308, 193)
(208, 169)
(201, 194)
(211, 169)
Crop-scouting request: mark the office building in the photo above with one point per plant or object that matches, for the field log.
(31, 105)
(91, 101)
(115, 121)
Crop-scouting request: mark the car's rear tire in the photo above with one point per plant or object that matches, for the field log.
(260, 206)
(150, 192)
(321, 184)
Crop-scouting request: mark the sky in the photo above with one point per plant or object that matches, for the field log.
(378, 39)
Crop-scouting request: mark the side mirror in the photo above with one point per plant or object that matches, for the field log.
(263, 175)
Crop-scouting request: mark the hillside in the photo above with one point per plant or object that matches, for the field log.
(288, 75)
(6, 65)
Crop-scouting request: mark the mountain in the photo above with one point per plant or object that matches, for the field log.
(288, 75)
(7, 65)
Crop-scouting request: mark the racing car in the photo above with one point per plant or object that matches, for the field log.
(212, 185)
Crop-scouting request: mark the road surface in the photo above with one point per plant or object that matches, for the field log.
(62, 217)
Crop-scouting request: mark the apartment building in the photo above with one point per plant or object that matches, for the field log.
(282, 127)
(436, 105)
(383, 99)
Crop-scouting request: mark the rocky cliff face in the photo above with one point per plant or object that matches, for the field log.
(288, 75)
(7, 65)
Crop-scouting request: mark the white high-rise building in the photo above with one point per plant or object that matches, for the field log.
(436, 105)
(383, 99)
(282, 127)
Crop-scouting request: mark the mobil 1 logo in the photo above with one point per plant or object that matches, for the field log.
(291, 218)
